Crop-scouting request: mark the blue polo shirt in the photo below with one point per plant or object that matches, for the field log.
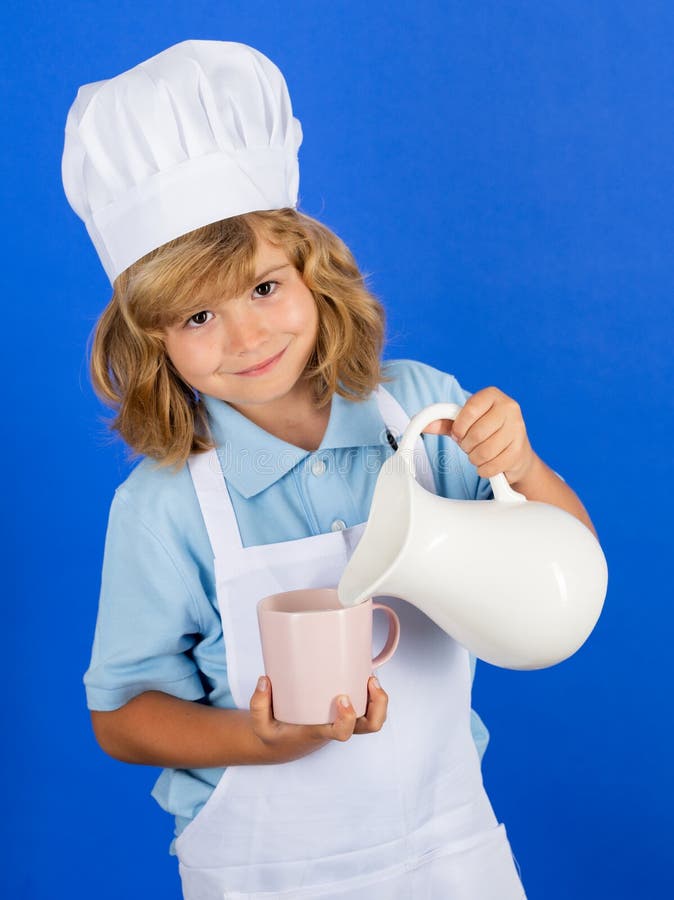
(158, 626)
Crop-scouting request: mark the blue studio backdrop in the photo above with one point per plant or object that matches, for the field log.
(503, 173)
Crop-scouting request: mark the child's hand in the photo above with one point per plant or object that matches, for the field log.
(491, 430)
(283, 742)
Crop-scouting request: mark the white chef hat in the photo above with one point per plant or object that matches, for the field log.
(200, 132)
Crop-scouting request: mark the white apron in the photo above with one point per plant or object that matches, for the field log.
(401, 814)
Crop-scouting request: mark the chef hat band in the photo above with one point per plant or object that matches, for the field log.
(201, 132)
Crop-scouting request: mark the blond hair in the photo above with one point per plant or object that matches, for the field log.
(157, 413)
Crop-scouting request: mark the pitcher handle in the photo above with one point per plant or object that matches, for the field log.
(499, 484)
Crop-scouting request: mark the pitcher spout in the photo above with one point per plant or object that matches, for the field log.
(382, 545)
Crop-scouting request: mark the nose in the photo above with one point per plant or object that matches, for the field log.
(245, 331)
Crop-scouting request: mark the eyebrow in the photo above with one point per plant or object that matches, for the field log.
(198, 303)
(259, 278)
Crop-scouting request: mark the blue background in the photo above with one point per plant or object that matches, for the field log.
(503, 171)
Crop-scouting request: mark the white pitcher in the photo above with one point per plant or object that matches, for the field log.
(519, 583)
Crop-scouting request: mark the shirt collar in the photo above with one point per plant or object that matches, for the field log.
(252, 459)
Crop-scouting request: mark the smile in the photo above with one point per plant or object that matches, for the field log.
(263, 367)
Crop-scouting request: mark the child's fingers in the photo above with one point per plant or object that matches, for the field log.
(342, 728)
(345, 725)
(377, 707)
(439, 426)
(260, 706)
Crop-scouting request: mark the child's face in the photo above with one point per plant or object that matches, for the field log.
(274, 322)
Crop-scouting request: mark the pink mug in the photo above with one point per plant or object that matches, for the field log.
(315, 649)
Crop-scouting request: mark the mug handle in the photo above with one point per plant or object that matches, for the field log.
(499, 484)
(393, 635)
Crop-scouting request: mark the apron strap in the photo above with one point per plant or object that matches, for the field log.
(216, 504)
(396, 419)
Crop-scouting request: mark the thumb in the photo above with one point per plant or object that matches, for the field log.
(260, 702)
(439, 426)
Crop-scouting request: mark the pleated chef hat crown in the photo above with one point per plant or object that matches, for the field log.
(201, 132)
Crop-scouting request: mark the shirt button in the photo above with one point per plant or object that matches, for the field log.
(338, 525)
(318, 466)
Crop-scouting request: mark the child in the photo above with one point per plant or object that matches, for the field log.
(241, 350)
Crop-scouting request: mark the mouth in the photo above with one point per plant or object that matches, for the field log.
(261, 368)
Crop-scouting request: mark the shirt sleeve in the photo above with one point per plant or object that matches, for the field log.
(147, 620)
